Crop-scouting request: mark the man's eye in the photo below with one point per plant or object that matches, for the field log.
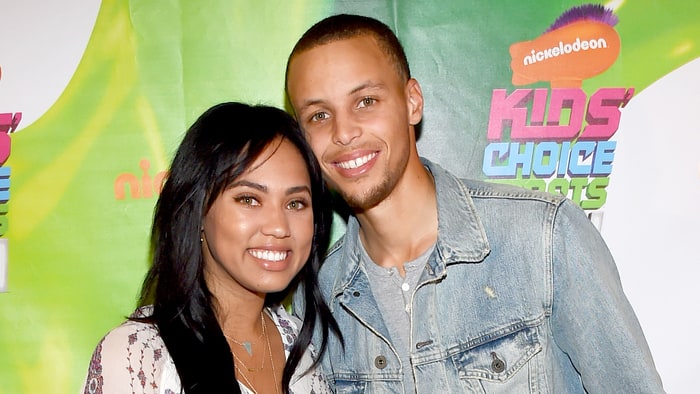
(367, 101)
(319, 116)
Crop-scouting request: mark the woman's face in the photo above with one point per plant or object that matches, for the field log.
(259, 231)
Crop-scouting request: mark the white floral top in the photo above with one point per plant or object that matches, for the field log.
(132, 358)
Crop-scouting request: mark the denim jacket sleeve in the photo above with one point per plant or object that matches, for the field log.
(592, 320)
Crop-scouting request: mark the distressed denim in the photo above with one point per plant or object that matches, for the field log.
(520, 295)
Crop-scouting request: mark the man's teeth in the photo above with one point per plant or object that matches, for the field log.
(351, 164)
(269, 255)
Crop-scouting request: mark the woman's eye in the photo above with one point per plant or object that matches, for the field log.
(247, 200)
(297, 205)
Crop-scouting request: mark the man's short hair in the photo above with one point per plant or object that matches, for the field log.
(344, 26)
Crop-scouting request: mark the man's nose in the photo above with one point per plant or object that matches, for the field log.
(345, 130)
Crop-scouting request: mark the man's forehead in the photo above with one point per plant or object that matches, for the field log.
(340, 69)
(359, 42)
(355, 53)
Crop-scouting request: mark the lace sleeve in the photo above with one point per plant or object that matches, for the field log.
(132, 358)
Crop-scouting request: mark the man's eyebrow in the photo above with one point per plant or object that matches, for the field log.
(365, 85)
(368, 85)
(309, 103)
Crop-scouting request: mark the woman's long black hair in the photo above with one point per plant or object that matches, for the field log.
(217, 149)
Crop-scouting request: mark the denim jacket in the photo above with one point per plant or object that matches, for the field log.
(520, 295)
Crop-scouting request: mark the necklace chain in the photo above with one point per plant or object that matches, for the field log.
(269, 352)
(247, 382)
(262, 364)
(272, 362)
(250, 353)
(248, 345)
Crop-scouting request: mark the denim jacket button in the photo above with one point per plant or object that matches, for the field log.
(497, 365)
(356, 293)
(380, 362)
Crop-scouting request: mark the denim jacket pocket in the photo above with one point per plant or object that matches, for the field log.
(350, 386)
(500, 359)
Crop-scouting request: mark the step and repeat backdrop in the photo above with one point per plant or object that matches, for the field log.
(96, 95)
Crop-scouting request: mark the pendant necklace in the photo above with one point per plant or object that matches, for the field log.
(248, 345)
(272, 363)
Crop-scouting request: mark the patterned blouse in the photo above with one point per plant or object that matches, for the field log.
(132, 358)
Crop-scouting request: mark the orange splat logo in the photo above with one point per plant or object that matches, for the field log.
(566, 56)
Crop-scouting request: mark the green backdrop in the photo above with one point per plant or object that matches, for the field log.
(77, 235)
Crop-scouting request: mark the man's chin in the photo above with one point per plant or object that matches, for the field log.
(360, 202)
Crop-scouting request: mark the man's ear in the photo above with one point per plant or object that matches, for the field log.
(414, 102)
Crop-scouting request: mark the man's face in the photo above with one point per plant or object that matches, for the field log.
(357, 113)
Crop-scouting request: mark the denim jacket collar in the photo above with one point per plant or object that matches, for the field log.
(461, 235)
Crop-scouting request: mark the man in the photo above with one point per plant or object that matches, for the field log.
(442, 285)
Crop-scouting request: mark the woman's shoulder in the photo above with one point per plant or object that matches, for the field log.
(131, 355)
(133, 335)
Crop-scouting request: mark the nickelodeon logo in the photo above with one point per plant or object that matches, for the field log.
(566, 55)
(141, 187)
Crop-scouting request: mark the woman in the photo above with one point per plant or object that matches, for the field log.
(241, 220)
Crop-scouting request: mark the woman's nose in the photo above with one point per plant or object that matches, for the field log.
(276, 223)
